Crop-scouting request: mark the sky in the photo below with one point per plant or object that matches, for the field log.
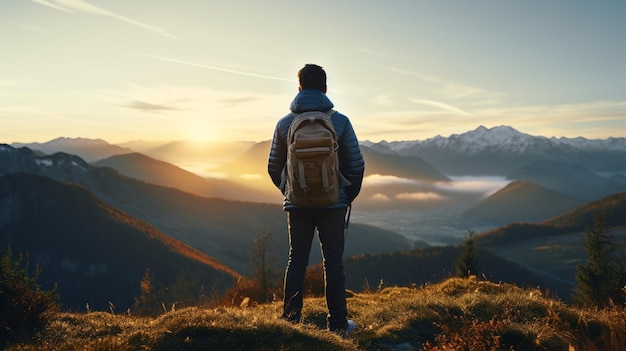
(160, 70)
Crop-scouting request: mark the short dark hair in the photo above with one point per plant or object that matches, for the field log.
(312, 76)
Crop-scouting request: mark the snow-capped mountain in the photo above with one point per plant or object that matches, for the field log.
(60, 166)
(506, 137)
(500, 150)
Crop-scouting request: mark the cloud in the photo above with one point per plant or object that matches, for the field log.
(421, 196)
(485, 185)
(228, 70)
(440, 105)
(416, 75)
(52, 5)
(377, 179)
(233, 102)
(383, 99)
(369, 52)
(79, 6)
(27, 27)
(453, 90)
(221, 69)
(148, 107)
(459, 91)
(201, 112)
(380, 197)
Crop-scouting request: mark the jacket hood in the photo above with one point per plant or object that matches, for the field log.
(310, 100)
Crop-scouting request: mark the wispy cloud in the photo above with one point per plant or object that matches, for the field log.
(217, 68)
(451, 89)
(52, 5)
(384, 99)
(486, 185)
(148, 107)
(79, 6)
(369, 51)
(232, 102)
(26, 27)
(420, 196)
(440, 105)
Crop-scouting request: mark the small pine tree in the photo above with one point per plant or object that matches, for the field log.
(265, 276)
(24, 307)
(600, 279)
(467, 264)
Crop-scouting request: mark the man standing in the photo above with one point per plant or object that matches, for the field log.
(329, 220)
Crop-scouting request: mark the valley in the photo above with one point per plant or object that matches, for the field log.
(423, 227)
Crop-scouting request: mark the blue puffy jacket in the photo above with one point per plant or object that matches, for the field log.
(351, 163)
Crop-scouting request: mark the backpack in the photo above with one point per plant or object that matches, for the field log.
(312, 164)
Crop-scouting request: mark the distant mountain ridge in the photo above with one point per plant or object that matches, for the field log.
(508, 137)
(139, 166)
(483, 151)
(92, 150)
(88, 149)
(499, 150)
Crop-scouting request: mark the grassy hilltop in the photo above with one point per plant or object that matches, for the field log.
(457, 314)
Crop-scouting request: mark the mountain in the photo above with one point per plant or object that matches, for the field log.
(553, 249)
(193, 154)
(583, 217)
(409, 167)
(522, 201)
(251, 167)
(95, 252)
(139, 166)
(575, 221)
(500, 150)
(221, 228)
(88, 149)
(565, 177)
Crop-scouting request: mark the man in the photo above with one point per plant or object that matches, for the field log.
(329, 221)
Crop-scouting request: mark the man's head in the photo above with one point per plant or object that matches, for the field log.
(312, 77)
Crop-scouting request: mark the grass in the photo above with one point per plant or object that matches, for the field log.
(457, 314)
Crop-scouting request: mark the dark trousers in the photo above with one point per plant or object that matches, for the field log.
(330, 228)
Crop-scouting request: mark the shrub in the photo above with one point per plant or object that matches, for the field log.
(26, 308)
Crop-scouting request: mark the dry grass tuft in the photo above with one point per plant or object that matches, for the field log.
(458, 314)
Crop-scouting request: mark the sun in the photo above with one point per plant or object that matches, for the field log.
(200, 132)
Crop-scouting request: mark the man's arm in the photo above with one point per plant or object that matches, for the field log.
(352, 164)
(277, 157)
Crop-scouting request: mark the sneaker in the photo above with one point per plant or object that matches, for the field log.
(351, 327)
(344, 333)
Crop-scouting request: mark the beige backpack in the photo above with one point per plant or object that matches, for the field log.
(312, 163)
